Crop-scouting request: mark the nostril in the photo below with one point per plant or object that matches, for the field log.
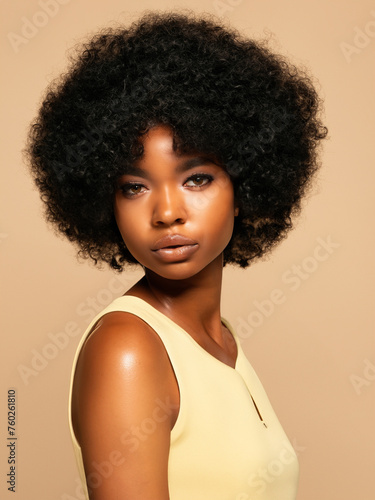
(166, 222)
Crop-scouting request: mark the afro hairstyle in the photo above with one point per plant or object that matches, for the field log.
(220, 93)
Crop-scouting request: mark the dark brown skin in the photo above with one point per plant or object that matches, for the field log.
(123, 368)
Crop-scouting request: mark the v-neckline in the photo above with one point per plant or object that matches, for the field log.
(217, 361)
(187, 334)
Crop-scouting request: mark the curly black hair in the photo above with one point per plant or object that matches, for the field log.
(219, 92)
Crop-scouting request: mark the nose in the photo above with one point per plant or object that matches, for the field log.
(169, 207)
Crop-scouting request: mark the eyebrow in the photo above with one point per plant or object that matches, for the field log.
(185, 165)
(196, 161)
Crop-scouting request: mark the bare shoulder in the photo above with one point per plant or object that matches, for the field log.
(122, 374)
(121, 338)
(122, 350)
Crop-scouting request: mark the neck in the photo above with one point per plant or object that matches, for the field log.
(192, 302)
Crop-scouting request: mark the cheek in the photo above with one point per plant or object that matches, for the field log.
(219, 219)
(125, 219)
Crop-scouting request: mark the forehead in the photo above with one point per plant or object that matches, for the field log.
(159, 140)
(159, 147)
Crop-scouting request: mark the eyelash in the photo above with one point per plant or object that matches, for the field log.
(207, 177)
(125, 189)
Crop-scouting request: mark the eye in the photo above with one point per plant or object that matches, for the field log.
(198, 180)
(132, 189)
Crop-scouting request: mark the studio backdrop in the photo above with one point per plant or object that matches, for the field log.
(305, 315)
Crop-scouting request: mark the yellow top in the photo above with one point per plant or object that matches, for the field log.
(220, 449)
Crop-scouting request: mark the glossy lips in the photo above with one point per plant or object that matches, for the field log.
(174, 248)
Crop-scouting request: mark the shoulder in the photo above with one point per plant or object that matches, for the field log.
(119, 334)
(123, 373)
(122, 356)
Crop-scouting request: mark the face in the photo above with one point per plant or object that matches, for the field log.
(175, 212)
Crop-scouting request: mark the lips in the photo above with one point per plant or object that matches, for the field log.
(174, 248)
(172, 240)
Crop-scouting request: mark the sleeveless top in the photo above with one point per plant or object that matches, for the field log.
(220, 448)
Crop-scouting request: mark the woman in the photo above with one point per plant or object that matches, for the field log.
(181, 146)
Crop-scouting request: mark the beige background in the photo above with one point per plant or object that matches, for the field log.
(314, 351)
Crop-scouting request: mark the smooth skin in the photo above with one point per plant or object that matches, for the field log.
(123, 369)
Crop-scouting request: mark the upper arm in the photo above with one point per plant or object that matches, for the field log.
(121, 385)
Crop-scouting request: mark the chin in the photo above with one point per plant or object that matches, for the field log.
(173, 272)
(184, 270)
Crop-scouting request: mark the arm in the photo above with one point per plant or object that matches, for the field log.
(122, 371)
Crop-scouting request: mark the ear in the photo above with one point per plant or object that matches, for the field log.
(236, 211)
